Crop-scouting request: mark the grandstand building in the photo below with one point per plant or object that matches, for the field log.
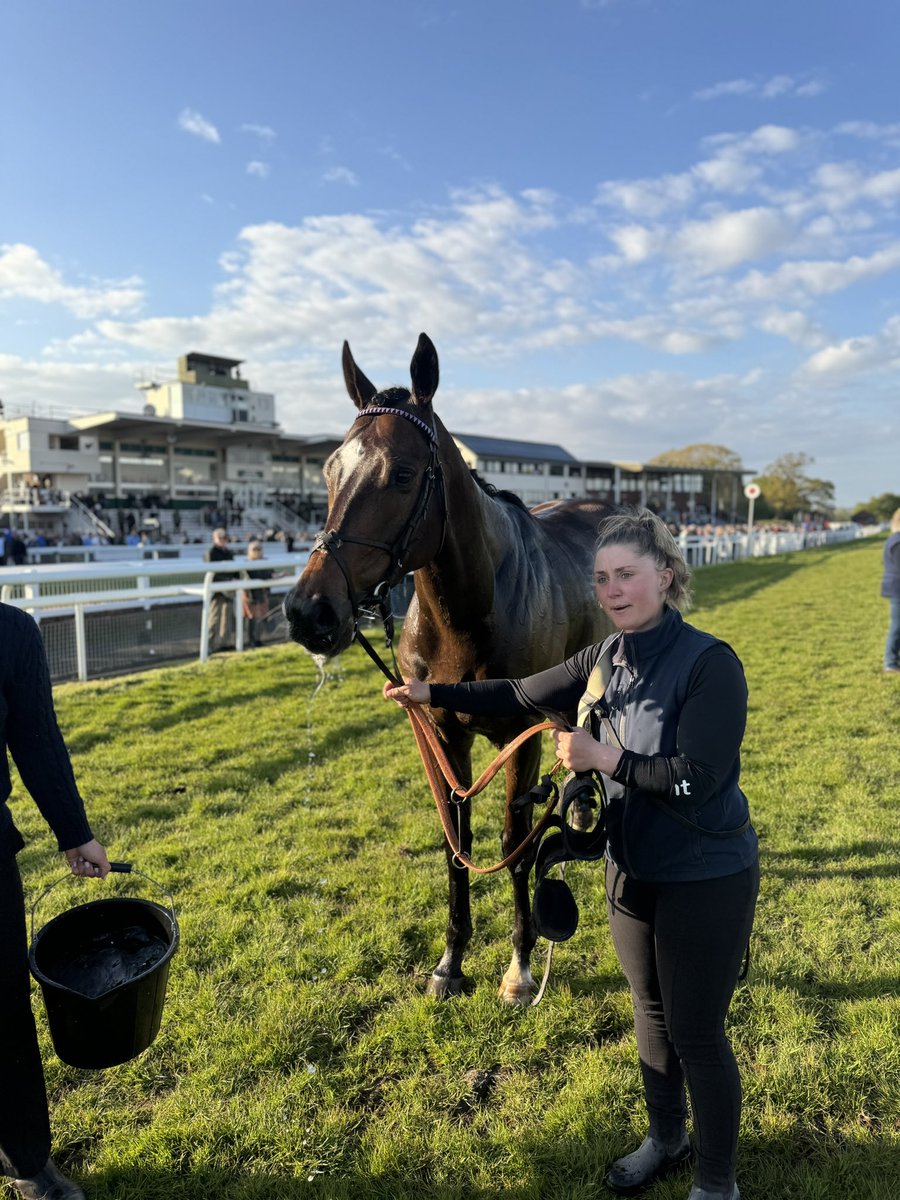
(206, 446)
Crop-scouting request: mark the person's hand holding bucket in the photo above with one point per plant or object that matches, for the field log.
(89, 859)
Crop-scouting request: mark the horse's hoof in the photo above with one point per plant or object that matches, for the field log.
(442, 987)
(581, 817)
(517, 991)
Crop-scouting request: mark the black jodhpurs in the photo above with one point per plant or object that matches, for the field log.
(681, 946)
(24, 1120)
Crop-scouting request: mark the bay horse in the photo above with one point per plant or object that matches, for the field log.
(500, 592)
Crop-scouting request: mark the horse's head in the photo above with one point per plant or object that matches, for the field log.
(385, 506)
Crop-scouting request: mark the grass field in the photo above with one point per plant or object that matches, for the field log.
(298, 1054)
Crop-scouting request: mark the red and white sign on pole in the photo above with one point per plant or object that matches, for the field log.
(751, 491)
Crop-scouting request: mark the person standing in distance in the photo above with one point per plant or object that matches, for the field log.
(662, 708)
(220, 603)
(890, 589)
(30, 732)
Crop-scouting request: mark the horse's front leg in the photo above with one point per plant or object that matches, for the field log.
(447, 979)
(518, 986)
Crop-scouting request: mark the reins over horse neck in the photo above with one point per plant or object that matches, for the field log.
(436, 765)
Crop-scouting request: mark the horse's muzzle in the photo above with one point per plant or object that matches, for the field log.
(315, 623)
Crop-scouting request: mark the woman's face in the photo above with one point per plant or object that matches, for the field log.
(631, 588)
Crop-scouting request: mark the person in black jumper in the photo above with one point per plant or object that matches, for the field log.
(29, 730)
(220, 603)
(890, 589)
(661, 715)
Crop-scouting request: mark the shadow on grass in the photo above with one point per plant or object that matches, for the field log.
(811, 986)
(256, 1184)
(820, 863)
(733, 582)
(805, 1164)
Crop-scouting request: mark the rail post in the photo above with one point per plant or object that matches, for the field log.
(204, 616)
(80, 644)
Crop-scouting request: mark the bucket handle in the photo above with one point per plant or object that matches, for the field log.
(119, 868)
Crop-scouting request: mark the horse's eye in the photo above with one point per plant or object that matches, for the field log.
(404, 476)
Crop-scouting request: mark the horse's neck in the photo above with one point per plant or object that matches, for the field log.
(459, 583)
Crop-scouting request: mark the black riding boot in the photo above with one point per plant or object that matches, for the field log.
(653, 1159)
(48, 1184)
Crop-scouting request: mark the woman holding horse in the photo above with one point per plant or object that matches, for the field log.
(662, 709)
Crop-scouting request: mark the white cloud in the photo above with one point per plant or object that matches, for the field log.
(394, 155)
(69, 385)
(648, 197)
(192, 122)
(793, 325)
(729, 87)
(763, 89)
(469, 272)
(870, 131)
(264, 132)
(843, 185)
(731, 238)
(735, 164)
(25, 275)
(259, 169)
(635, 243)
(811, 278)
(341, 175)
(856, 357)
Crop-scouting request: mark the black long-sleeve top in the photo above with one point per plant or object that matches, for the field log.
(29, 730)
(677, 699)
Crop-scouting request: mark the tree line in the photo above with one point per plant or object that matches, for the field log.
(786, 485)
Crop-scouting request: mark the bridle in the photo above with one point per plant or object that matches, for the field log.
(330, 541)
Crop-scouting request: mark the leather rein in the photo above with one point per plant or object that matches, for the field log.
(434, 759)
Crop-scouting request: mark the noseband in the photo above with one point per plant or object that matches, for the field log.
(330, 541)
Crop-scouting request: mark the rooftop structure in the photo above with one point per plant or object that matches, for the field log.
(209, 388)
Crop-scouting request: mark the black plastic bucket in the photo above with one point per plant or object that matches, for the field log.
(103, 968)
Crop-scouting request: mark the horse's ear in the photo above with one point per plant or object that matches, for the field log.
(424, 370)
(361, 389)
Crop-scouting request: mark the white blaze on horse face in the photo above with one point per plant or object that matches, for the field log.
(342, 464)
(346, 474)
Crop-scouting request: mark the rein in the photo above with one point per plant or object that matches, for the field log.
(436, 765)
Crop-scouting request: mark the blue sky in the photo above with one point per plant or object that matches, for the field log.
(627, 225)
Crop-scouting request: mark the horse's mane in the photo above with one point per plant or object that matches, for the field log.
(497, 493)
(400, 395)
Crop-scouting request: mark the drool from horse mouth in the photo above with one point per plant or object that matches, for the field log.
(327, 645)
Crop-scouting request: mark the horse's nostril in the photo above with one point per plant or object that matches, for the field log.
(323, 617)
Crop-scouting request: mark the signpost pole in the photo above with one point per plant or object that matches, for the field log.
(751, 491)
